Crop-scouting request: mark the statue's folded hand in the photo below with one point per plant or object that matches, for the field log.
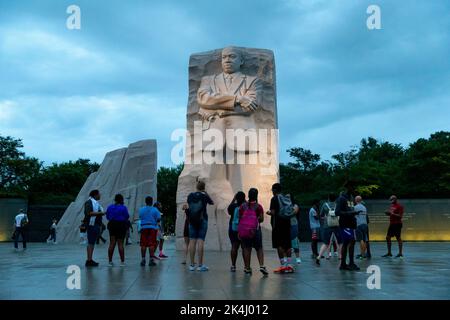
(246, 103)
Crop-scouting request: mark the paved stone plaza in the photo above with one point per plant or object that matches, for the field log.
(40, 273)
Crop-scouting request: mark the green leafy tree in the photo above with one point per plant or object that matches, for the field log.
(60, 183)
(167, 182)
(427, 166)
(16, 169)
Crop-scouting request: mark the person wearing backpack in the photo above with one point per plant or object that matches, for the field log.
(251, 214)
(233, 212)
(20, 224)
(198, 224)
(281, 212)
(330, 226)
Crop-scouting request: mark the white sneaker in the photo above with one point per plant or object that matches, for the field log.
(329, 255)
(192, 267)
(298, 260)
(111, 264)
(202, 268)
(122, 264)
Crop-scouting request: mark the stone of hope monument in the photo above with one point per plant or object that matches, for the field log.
(232, 134)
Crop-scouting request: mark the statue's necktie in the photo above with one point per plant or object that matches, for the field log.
(228, 81)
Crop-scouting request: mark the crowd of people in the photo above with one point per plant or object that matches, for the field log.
(150, 228)
(338, 222)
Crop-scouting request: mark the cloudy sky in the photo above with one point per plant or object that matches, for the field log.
(73, 94)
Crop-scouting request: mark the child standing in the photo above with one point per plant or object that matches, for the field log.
(83, 233)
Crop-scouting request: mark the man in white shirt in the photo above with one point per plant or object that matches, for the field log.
(93, 222)
(20, 222)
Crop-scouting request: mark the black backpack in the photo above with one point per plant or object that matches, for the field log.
(196, 209)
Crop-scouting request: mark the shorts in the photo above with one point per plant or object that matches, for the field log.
(328, 232)
(395, 230)
(233, 235)
(347, 235)
(281, 233)
(362, 233)
(255, 242)
(117, 229)
(294, 231)
(315, 233)
(186, 229)
(93, 233)
(295, 244)
(198, 232)
(148, 238)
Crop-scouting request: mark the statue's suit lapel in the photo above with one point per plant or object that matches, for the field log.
(219, 83)
(237, 82)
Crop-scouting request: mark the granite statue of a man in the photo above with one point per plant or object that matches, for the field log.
(231, 101)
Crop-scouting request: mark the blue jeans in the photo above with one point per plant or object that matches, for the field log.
(198, 232)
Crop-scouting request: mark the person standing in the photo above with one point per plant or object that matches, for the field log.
(330, 227)
(52, 232)
(362, 229)
(198, 224)
(93, 213)
(186, 233)
(251, 214)
(395, 214)
(295, 232)
(118, 217)
(150, 217)
(20, 225)
(347, 225)
(83, 230)
(233, 212)
(100, 235)
(281, 228)
(129, 231)
(160, 235)
(314, 224)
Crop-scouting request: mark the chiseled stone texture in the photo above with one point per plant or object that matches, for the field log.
(129, 171)
(257, 63)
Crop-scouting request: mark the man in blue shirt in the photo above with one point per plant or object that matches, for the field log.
(150, 218)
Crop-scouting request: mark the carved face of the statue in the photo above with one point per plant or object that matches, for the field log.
(231, 60)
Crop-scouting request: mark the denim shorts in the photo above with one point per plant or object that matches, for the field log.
(92, 234)
(198, 232)
(362, 233)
